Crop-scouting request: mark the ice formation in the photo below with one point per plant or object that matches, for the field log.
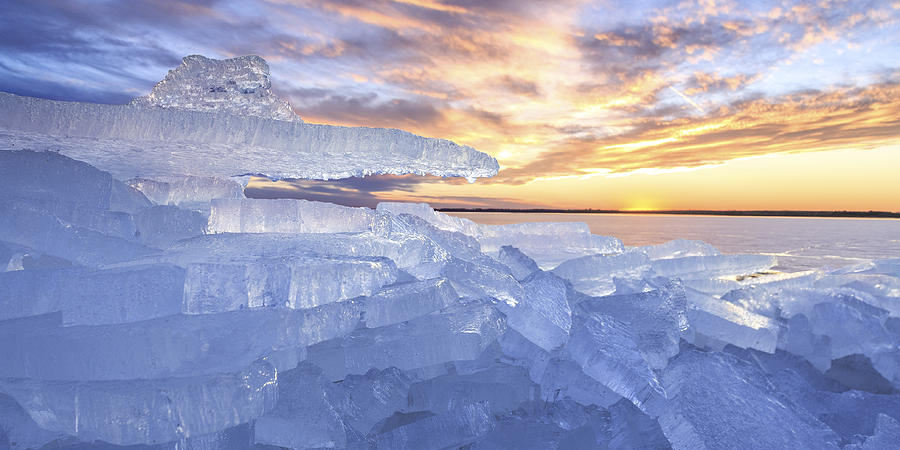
(204, 121)
(237, 86)
(172, 312)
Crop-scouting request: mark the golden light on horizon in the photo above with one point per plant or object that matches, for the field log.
(641, 204)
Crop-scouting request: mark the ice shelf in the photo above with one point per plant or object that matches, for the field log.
(131, 141)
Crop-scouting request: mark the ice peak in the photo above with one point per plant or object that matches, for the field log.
(237, 86)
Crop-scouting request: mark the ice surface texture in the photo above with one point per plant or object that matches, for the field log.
(171, 312)
(238, 86)
(131, 141)
(206, 109)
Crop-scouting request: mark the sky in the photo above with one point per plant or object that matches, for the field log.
(647, 104)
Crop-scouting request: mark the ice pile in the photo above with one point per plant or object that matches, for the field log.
(126, 319)
(172, 312)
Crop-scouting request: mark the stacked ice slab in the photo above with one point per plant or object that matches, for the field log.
(168, 311)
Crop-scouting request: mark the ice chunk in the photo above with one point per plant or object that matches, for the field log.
(531, 433)
(50, 176)
(125, 198)
(173, 346)
(791, 302)
(130, 412)
(856, 372)
(28, 226)
(238, 86)
(715, 287)
(832, 323)
(851, 328)
(564, 378)
(457, 244)
(7, 253)
(461, 332)
(595, 274)
(131, 141)
(607, 244)
(426, 430)
(755, 299)
(637, 285)
(519, 263)
(514, 349)
(679, 248)
(717, 322)
(718, 401)
(18, 428)
(302, 417)
(887, 434)
(399, 303)
(504, 388)
(364, 400)
(438, 219)
(234, 437)
(798, 338)
(416, 255)
(187, 191)
(658, 319)
(882, 291)
(850, 413)
(93, 297)
(537, 235)
(543, 316)
(606, 351)
(110, 223)
(689, 267)
(162, 226)
(549, 244)
(287, 216)
(478, 281)
(299, 282)
(887, 266)
(630, 428)
(558, 425)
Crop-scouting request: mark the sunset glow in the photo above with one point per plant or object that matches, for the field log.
(653, 105)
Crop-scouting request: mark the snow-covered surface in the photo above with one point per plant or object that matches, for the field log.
(174, 313)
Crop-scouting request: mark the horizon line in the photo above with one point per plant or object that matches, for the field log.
(699, 212)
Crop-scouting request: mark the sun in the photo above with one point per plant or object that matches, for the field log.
(642, 204)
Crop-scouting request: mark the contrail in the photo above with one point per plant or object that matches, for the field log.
(685, 97)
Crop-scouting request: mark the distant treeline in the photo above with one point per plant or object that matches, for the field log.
(698, 212)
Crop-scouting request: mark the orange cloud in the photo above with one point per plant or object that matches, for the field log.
(803, 122)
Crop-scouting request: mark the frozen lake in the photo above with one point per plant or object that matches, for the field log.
(799, 243)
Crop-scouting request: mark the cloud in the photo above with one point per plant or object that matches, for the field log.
(519, 86)
(369, 191)
(367, 109)
(804, 121)
(703, 82)
(16, 84)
